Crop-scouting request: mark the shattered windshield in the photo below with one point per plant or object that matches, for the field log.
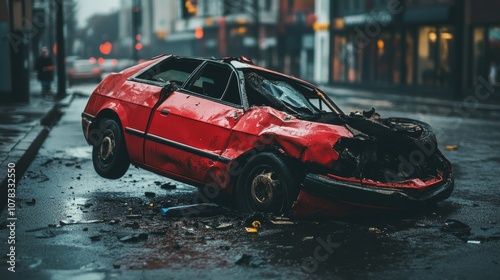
(278, 94)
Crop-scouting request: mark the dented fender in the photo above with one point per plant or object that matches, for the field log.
(307, 141)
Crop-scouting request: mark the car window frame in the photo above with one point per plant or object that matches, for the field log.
(136, 78)
(196, 74)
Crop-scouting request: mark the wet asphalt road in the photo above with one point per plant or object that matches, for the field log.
(61, 185)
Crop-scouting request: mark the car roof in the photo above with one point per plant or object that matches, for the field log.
(240, 63)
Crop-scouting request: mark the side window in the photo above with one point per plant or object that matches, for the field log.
(232, 93)
(173, 69)
(212, 81)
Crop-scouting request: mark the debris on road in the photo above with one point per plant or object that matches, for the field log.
(150, 194)
(254, 228)
(32, 202)
(249, 260)
(224, 226)
(96, 237)
(282, 221)
(168, 186)
(36, 229)
(45, 234)
(458, 228)
(193, 210)
(131, 237)
(451, 147)
(254, 223)
(47, 162)
(74, 222)
(134, 216)
(375, 230)
(133, 225)
(307, 238)
(473, 242)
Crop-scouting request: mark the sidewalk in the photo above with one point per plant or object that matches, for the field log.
(23, 128)
(365, 100)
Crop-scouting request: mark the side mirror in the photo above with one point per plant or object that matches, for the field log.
(168, 88)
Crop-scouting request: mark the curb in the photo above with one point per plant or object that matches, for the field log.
(25, 151)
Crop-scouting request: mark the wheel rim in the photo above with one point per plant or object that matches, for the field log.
(106, 148)
(266, 190)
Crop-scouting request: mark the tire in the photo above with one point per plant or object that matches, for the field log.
(266, 185)
(110, 156)
(412, 130)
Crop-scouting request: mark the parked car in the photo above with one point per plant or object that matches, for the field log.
(259, 135)
(83, 70)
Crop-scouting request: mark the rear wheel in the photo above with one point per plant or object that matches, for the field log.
(109, 155)
(266, 185)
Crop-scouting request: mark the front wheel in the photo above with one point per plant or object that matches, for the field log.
(110, 156)
(266, 185)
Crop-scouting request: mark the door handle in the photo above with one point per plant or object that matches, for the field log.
(165, 112)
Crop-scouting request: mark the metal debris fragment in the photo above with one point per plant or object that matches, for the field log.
(45, 234)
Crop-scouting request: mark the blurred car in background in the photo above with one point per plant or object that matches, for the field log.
(83, 70)
(110, 65)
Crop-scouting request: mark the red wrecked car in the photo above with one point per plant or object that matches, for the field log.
(271, 140)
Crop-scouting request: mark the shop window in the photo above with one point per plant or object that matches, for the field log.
(347, 60)
(427, 40)
(396, 61)
(445, 57)
(339, 46)
(383, 54)
(435, 53)
(479, 63)
(409, 61)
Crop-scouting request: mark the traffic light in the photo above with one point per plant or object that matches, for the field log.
(189, 8)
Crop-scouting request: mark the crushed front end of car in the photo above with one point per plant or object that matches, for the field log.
(389, 164)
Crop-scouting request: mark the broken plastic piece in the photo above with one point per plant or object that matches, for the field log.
(251, 230)
(74, 222)
(256, 224)
(131, 237)
(375, 230)
(473, 242)
(193, 210)
(307, 238)
(282, 222)
(224, 226)
(451, 147)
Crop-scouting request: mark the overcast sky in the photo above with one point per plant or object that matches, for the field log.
(86, 8)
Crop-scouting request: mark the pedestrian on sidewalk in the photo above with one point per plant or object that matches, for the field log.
(45, 71)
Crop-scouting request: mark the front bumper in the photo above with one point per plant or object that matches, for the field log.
(378, 197)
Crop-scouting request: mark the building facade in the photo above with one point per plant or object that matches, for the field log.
(16, 30)
(430, 47)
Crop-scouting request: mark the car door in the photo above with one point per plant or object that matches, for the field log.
(190, 129)
(142, 94)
